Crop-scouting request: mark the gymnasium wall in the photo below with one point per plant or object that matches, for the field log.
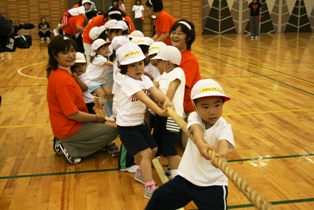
(279, 16)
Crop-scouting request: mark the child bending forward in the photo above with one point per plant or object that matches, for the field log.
(198, 179)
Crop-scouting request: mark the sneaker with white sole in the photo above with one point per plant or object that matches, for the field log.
(71, 159)
(148, 192)
(139, 177)
(42, 38)
(168, 171)
(48, 39)
(131, 169)
(112, 149)
(56, 146)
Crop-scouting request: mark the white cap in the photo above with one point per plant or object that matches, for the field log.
(86, 1)
(207, 88)
(143, 41)
(80, 58)
(123, 24)
(95, 32)
(136, 33)
(169, 53)
(119, 41)
(129, 53)
(112, 24)
(155, 48)
(97, 44)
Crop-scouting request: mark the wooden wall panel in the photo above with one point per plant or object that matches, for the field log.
(32, 10)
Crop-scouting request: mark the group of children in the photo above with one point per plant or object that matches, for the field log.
(136, 80)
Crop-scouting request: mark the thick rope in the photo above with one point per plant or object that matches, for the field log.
(258, 201)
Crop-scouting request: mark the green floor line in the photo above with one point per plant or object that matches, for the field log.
(115, 169)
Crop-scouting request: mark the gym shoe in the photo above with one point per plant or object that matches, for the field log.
(139, 177)
(252, 37)
(42, 38)
(56, 146)
(111, 118)
(131, 169)
(256, 37)
(168, 171)
(112, 149)
(71, 159)
(48, 39)
(148, 192)
(56, 32)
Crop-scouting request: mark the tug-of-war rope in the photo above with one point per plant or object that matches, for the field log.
(257, 200)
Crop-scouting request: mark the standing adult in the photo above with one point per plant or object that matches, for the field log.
(75, 29)
(182, 36)
(163, 21)
(121, 5)
(137, 11)
(255, 17)
(44, 29)
(78, 133)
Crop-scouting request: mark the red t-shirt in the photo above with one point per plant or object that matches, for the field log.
(163, 24)
(64, 98)
(131, 25)
(73, 22)
(191, 69)
(99, 20)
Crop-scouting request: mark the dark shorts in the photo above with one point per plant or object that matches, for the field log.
(136, 138)
(166, 140)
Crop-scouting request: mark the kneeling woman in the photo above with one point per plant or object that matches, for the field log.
(78, 133)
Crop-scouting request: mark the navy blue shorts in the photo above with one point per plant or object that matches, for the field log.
(166, 140)
(136, 138)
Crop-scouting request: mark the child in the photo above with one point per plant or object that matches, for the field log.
(97, 71)
(132, 101)
(78, 71)
(86, 5)
(151, 68)
(172, 83)
(198, 180)
(255, 17)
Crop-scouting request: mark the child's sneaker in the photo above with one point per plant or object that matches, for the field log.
(71, 159)
(56, 146)
(168, 171)
(48, 39)
(138, 176)
(148, 192)
(112, 149)
(131, 169)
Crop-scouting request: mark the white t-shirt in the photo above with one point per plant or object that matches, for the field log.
(77, 11)
(195, 168)
(152, 70)
(164, 82)
(138, 11)
(88, 98)
(129, 110)
(97, 71)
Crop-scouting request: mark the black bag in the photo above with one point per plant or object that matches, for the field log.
(23, 41)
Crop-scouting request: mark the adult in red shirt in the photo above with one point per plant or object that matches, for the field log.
(182, 36)
(75, 29)
(77, 133)
(163, 21)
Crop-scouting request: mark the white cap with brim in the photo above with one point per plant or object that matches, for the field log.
(136, 33)
(95, 32)
(80, 58)
(169, 53)
(129, 53)
(86, 1)
(113, 24)
(155, 48)
(207, 88)
(119, 41)
(97, 44)
(143, 41)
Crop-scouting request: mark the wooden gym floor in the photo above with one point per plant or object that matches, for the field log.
(270, 81)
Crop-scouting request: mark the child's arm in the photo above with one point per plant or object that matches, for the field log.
(108, 63)
(140, 95)
(82, 85)
(173, 86)
(159, 96)
(199, 141)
